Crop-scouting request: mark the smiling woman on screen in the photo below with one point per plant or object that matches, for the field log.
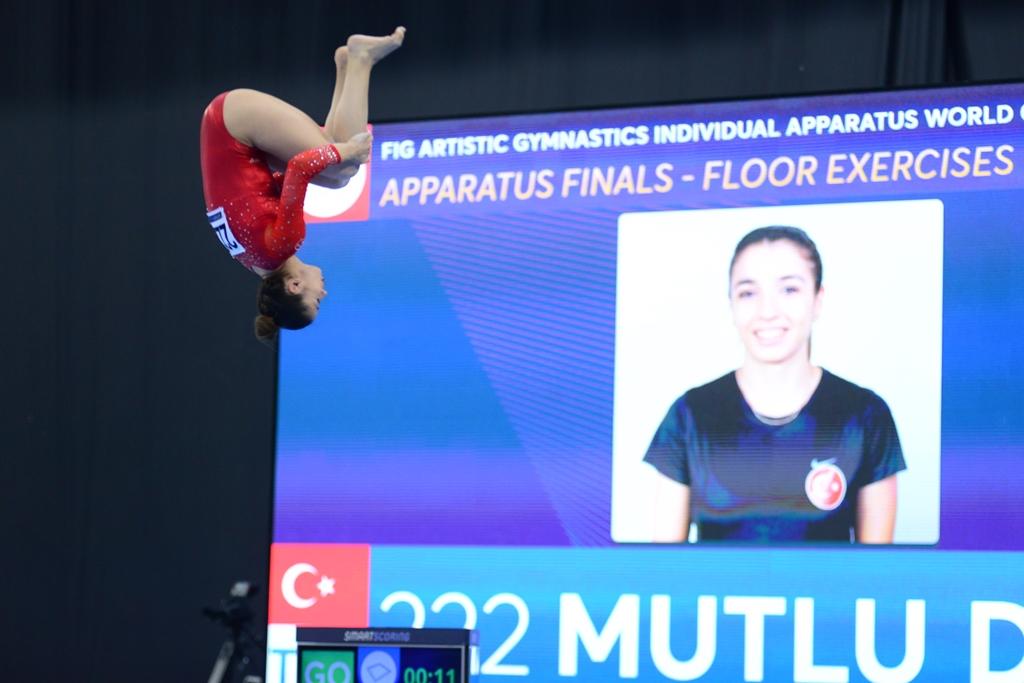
(779, 450)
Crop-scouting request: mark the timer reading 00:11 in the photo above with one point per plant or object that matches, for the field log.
(432, 665)
(420, 674)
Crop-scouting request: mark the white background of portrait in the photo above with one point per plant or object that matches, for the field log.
(880, 327)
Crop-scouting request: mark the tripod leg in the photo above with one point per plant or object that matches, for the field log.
(220, 667)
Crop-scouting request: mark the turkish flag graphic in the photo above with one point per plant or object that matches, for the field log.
(319, 584)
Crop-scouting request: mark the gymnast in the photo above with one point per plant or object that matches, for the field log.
(256, 213)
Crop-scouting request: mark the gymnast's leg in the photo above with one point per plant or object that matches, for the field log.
(353, 63)
(281, 131)
(340, 66)
(271, 125)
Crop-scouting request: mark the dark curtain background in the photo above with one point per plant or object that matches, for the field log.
(137, 414)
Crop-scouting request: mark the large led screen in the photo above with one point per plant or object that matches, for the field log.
(722, 392)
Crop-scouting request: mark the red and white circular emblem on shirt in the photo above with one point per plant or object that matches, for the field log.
(825, 485)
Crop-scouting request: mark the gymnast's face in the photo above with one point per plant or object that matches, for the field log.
(774, 301)
(307, 281)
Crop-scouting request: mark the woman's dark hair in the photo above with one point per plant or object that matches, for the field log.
(278, 308)
(774, 233)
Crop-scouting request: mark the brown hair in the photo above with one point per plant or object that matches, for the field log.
(774, 233)
(278, 308)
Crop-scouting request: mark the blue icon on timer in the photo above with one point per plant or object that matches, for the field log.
(378, 666)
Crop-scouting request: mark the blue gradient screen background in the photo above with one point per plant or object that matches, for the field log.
(452, 408)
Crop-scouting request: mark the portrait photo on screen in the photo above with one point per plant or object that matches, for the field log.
(703, 294)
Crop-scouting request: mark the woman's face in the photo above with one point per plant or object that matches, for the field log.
(774, 302)
(308, 281)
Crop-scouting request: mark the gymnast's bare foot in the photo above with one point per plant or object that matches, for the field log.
(341, 57)
(374, 48)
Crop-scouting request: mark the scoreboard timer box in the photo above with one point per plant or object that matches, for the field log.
(384, 655)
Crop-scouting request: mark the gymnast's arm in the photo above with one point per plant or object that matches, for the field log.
(289, 229)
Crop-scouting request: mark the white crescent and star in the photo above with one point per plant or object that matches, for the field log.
(325, 585)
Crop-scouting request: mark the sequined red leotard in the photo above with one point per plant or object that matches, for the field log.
(256, 214)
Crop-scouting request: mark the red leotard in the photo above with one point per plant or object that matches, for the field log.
(257, 215)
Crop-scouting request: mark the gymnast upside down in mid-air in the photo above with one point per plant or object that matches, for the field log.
(256, 213)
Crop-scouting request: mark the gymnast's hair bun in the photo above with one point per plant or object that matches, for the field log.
(266, 329)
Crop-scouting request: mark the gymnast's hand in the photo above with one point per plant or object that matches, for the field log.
(356, 151)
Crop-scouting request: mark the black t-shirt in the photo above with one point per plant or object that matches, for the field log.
(798, 481)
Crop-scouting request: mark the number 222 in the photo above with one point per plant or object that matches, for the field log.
(493, 665)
